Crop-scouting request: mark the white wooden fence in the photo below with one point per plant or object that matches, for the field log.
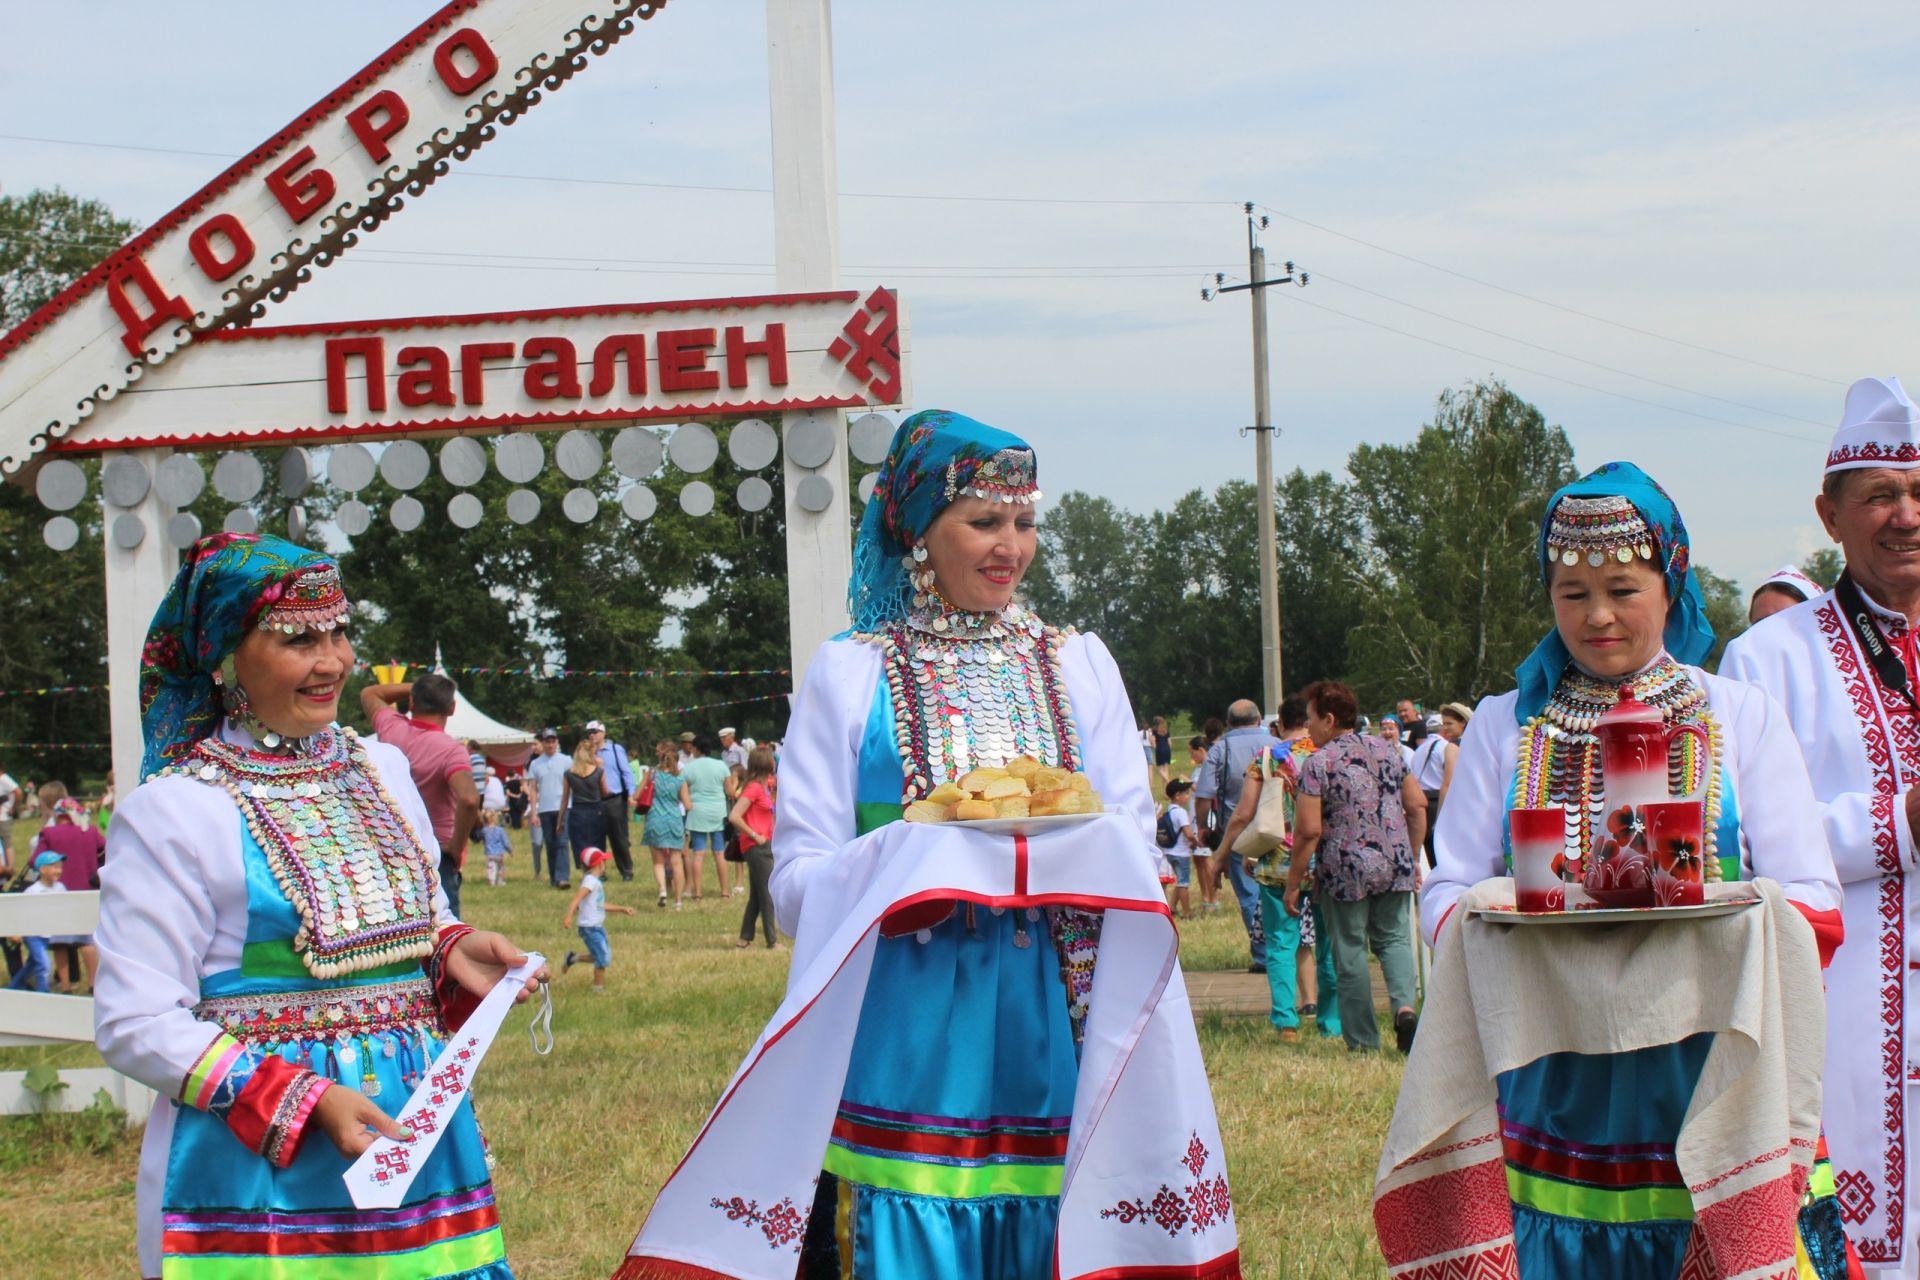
(30, 1018)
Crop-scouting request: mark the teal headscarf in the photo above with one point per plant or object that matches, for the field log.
(1689, 636)
(934, 455)
(225, 583)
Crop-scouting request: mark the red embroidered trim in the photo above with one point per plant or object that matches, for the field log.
(783, 1224)
(1738, 1169)
(1873, 452)
(1448, 1212)
(1496, 1262)
(1203, 1203)
(1855, 1188)
(273, 1107)
(291, 1133)
(1224, 1267)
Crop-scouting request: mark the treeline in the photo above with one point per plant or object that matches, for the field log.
(1412, 576)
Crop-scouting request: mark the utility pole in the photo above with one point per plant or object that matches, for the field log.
(1272, 686)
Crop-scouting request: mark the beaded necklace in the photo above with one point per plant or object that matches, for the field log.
(1559, 756)
(337, 846)
(972, 690)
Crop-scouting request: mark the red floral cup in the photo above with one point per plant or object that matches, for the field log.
(1539, 846)
(1675, 839)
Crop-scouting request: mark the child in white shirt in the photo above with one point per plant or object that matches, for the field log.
(591, 904)
(39, 965)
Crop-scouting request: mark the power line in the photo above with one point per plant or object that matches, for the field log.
(1295, 299)
(1566, 355)
(1527, 297)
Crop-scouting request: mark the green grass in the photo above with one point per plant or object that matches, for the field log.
(585, 1137)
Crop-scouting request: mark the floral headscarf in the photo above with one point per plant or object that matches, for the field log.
(1689, 636)
(936, 456)
(226, 583)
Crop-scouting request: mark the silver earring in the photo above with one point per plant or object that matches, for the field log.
(920, 552)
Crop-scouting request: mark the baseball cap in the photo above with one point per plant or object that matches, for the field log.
(594, 726)
(593, 857)
(49, 859)
(549, 732)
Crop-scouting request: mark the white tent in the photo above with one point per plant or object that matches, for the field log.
(502, 744)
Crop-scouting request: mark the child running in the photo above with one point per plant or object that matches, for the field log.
(493, 838)
(591, 903)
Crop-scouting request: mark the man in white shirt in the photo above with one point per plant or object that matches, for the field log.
(548, 773)
(1843, 665)
(732, 753)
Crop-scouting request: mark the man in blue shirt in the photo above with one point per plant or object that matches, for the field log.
(548, 769)
(1216, 789)
(620, 787)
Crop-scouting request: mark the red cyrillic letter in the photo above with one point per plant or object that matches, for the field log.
(238, 241)
(485, 63)
(772, 348)
(301, 196)
(473, 385)
(373, 355)
(556, 374)
(605, 356)
(683, 360)
(373, 133)
(423, 375)
(164, 306)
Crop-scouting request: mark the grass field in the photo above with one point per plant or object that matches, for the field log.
(585, 1137)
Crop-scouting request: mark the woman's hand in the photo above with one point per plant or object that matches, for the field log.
(480, 959)
(350, 1118)
(1291, 901)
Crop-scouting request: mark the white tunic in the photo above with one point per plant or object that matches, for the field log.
(1863, 752)
(173, 909)
(1780, 834)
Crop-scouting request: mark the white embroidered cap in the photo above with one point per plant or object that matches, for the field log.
(1880, 427)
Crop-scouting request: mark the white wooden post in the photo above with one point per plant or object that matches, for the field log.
(806, 238)
(137, 580)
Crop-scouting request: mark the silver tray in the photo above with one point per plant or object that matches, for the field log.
(1616, 915)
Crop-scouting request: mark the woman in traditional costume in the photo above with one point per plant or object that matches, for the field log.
(1592, 1192)
(276, 955)
(941, 1094)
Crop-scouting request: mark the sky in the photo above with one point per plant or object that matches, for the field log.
(1679, 230)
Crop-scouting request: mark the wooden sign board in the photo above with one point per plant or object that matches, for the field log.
(251, 236)
(436, 375)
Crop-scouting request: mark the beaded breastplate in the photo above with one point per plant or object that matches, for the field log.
(972, 690)
(337, 846)
(1559, 756)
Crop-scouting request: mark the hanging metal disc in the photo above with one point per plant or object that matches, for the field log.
(353, 517)
(296, 525)
(754, 494)
(60, 485)
(578, 455)
(128, 531)
(637, 452)
(405, 464)
(752, 444)
(693, 448)
(407, 513)
(463, 462)
(178, 480)
(867, 485)
(519, 458)
(124, 481)
(296, 473)
(523, 506)
(183, 530)
(639, 503)
(237, 477)
(813, 493)
(580, 505)
(241, 520)
(696, 499)
(869, 436)
(465, 510)
(810, 443)
(350, 467)
(60, 533)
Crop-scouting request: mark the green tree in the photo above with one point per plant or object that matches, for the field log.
(1824, 566)
(48, 239)
(1726, 610)
(1449, 581)
(1319, 528)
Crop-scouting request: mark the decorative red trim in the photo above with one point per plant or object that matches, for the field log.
(499, 424)
(471, 319)
(1904, 454)
(456, 1003)
(1875, 717)
(1019, 866)
(297, 1126)
(1224, 1267)
(255, 159)
(286, 1241)
(252, 1116)
(637, 1266)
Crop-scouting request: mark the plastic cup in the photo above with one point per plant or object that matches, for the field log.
(1539, 836)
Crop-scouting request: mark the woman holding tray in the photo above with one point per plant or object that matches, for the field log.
(982, 1124)
(1628, 613)
(276, 956)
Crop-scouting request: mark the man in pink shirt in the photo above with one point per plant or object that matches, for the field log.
(438, 761)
